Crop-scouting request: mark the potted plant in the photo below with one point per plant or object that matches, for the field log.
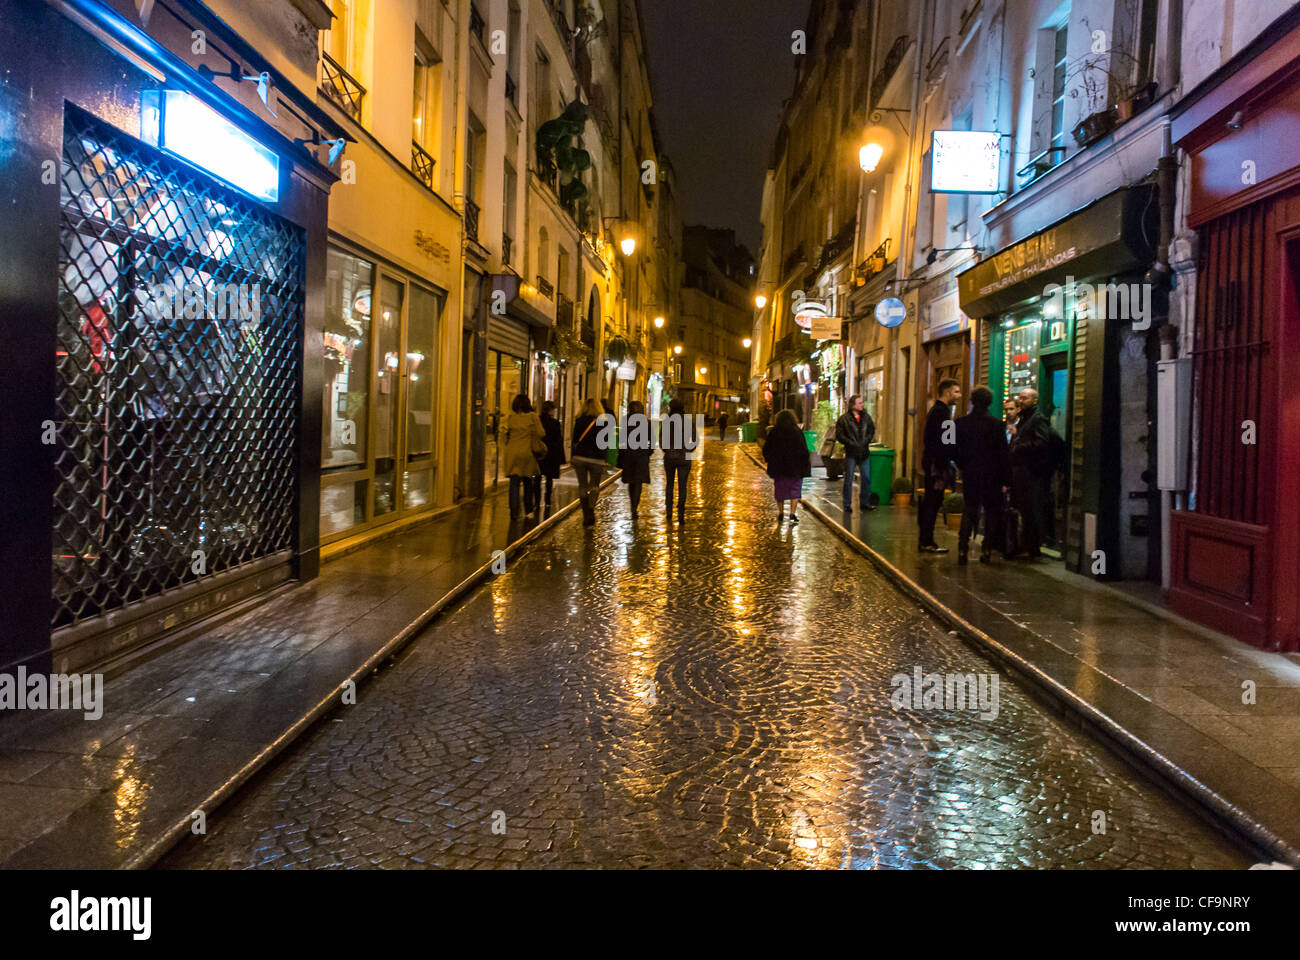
(901, 492)
(954, 504)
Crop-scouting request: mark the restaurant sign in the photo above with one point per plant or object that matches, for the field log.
(1107, 236)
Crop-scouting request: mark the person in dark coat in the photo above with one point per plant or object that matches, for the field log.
(855, 430)
(634, 451)
(788, 462)
(588, 458)
(722, 427)
(678, 440)
(1031, 469)
(554, 458)
(985, 466)
(936, 463)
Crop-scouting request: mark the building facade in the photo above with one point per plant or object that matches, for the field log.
(306, 252)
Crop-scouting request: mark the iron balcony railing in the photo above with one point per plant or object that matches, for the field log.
(544, 287)
(512, 90)
(506, 244)
(563, 312)
(422, 164)
(471, 220)
(341, 87)
(476, 23)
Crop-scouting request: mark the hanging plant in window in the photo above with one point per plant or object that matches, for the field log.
(560, 149)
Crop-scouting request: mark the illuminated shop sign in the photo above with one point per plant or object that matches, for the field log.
(806, 310)
(183, 125)
(966, 161)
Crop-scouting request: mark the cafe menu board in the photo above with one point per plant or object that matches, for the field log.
(966, 161)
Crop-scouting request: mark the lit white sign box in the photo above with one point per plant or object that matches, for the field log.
(966, 161)
(181, 124)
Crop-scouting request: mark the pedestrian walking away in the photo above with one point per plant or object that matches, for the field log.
(855, 431)
(985, 464)
(634, 451)
(525, 443)
(588, 458)
(936, 463)
(722, 427)
(554, 458)
(677, 442)
(1031, 470)
(788, 463)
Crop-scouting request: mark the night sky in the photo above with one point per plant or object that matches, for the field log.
(720, 70)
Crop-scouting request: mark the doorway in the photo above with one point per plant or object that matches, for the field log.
(1054, 402)
(506, 379)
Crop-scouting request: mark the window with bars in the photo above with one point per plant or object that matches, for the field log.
(180, 313)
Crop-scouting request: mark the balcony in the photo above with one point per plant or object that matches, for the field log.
(545, 288)
(512, 91)
(506, 244)
(471, 220)
(893, 60)
(422, 164)
(341, 87)
(563, 312)
(477, 26)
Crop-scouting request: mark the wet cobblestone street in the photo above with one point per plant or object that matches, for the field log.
(710, 694)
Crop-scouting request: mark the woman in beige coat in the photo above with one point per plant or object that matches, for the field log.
(524, 438)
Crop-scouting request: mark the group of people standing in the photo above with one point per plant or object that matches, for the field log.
(1007, 468)
(534, 448)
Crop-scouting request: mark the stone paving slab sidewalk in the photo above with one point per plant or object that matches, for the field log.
(182, 731)
(1165, 691)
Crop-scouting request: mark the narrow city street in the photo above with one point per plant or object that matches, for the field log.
(709, 694)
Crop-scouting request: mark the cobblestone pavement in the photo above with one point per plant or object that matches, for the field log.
(714, 694)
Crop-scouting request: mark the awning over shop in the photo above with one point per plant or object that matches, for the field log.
(1110, 236)
(522, 300)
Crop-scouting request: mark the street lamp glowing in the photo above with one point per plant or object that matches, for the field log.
(678, 350)
(659, 322)
(747, 342)
(704, 370)
(628, 246)
(869, 157)
(760, 301)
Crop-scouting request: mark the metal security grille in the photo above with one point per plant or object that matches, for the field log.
(180, 305)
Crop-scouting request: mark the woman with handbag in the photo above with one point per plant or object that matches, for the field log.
(788, 462)
(525, 442)
(588, 459)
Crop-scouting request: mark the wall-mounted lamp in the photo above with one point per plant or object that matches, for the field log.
(760, 301)
(869, 157)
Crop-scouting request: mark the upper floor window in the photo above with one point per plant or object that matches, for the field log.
(1058, 90)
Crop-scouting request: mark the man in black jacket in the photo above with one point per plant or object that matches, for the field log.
(855, 430)
(1031, 469)
(940, 444)
(985, 474)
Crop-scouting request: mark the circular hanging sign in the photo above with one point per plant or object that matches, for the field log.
(891, 312)
(806, 310)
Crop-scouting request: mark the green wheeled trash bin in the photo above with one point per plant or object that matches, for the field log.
(882, 474)
(749, 432)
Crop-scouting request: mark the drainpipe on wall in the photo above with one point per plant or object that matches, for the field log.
(1167, 184)
(1166, 180)
(478, 359)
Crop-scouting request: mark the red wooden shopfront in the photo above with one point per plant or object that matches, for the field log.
(1236, 553)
